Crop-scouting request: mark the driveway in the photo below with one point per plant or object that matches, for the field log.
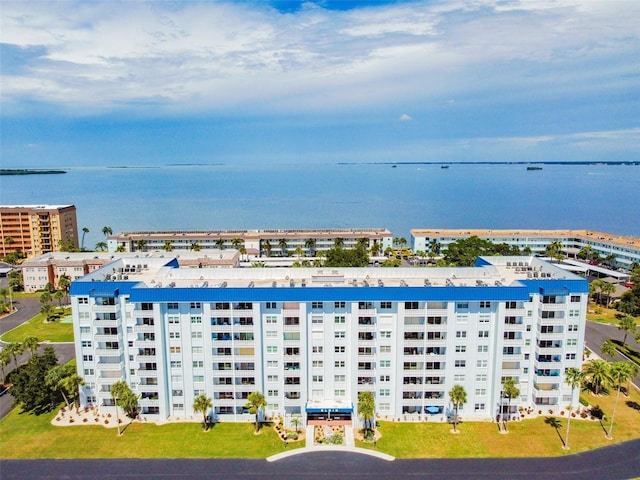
(596, 334)
(620, 461)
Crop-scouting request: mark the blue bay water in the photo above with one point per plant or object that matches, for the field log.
(598, 197)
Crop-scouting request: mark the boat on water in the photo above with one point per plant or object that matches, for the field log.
(534, 168)
(444, 166)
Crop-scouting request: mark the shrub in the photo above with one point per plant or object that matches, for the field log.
(292, 436)
(336, 439)
(57, 419)
(85, 420)
(71, 420)
(597, 412)
(106, 422)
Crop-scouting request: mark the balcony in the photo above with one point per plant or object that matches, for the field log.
(105, 309)
(137, 313)
(554, 350)
(513, 342)
(514, 327)
(147, 373)
(546, 393)
(551, 335)
(110, 366)
(149, 402)
(551, 307)
(110, 352)
(144, 328)
(106, 323)
(106, 338)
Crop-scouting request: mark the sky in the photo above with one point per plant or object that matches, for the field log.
(245, 82)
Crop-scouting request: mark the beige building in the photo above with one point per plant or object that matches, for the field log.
(37, 229)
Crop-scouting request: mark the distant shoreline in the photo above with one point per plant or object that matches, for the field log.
(605, 162)
(22, 171)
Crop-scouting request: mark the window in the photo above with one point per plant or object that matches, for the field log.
(88, 371)
(461, 348)
(339, 334)
(196, 349)
(511, 305)
(272, 364)
(177, 393)
(460, 363)
(317, 364)
(271, 334)
(573, 328)
(272, 393)
(385, 305)
(83, 300)
(339, 349)
(176, 378)
(481, 363)
(461, 334)
(196, 320)
(174, 334)
(316, 305)
(481, 392)
(485, 304)
(271, 305)
(385, 349)
(176, 364)
(575, 298)
(411, 305)
(458, 377)
(484, 318)
(198, 378)
(483, 348)
(198, 364)
(317, 349)
(339, 364)
(85, 329)
(385, 407)
(317, 378)
(574, 313)
(317, 319)
(483, 334)
(385, 363)
(172, 306)
(173, 319)
(481, 377)
(86, 343)
(385, 334)
(339, 378)
(340, 392)
(196, 334)
(271, 318)
(272, 349)
(87, 358)
(174, 349)
(385, 392)
(339, 305)
(570, 356)
(272, 378)
(572, 342)
(339, 319)
(479, 406)
(462, 305)
(385, 378)
(195, 305)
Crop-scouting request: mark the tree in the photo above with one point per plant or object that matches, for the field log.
(59, 295)
(608, 348)
(47, 311)
(14, 349)
(124, 398)
(338, 257)
(310, 244)
(45, 298)
(15, 280)
(266, 246)
(299, 251)
(282, 244)
(236, 242)
(141, 244)
(195, 246)
(106, 231)
(510, 391)
(366, 409)
(220, 243)
(202, 404)
(5, 293)
(31, 343)
(101, 246)
(554, 250)
(256, 403)
(375, 248)
(596, 286)
(573, 378)
(464, 252)
(85, 230)
(296, 421)
(54, 378)
(168, 246)
(64, 282)
(608, 289)
(29, 388)
(338, 242)
(628, 325)
(121, 248)
(458, 398)
(596, 373)
(5, 359)
(620, 372)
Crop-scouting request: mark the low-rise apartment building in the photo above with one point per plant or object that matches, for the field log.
(311, 339)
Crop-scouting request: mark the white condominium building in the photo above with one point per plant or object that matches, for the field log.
(311, 339)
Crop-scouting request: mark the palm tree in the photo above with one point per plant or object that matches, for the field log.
(282, 243)
(141, 244)
(366, 409)
(510, 391)
(202, 404)
(5, 359)
(121, 248)
(54, 378)
(375, 249)
(220, 243)
(585, 252)
(31, 343)
(608, 289)
(85, 230)
(195, 246)
(64, 283)
(101, 246)
(299, 251)
(236, 242)
(123, 397)
(597, 285)
(168, 246)
(458, 397)
(255, 403)
(338, 242)
(14, 349)
(620, 372)
(608, 348)
(71, 384)
(554, 250)
(596, 372)
(243, 252)
(266, 246)
(310, 244)
(573, 378)
(106, 231)
(628, 325)
(296, 422)
(5, 293)
(47, 310)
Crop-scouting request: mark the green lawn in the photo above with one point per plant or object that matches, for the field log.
(525, 438)
(52, 331)
(30, 436)
(600, 314)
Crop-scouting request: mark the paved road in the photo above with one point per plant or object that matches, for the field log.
(27, 308)
(621, 461)
(597, 333)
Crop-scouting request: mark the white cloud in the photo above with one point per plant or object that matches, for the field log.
(235, 56)
(405, 118)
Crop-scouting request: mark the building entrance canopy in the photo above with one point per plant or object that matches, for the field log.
(329, 406)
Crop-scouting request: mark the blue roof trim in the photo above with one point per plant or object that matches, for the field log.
(557, 286)
(101, 289)
(308, 294)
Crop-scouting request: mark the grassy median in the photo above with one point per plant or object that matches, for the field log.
(45, 331)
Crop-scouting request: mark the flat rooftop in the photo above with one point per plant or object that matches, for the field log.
(249, 234)
(162, 272)
(35, 207)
